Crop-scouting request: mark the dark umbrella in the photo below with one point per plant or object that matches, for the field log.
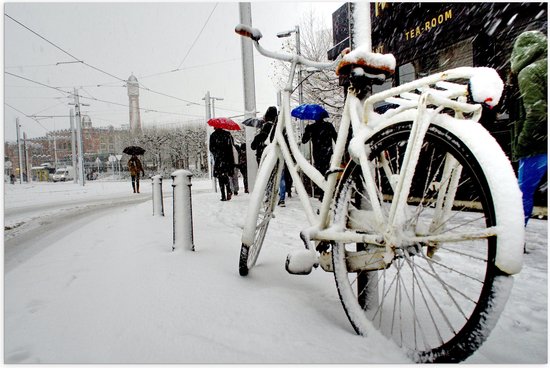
(309, 112)
(254, 122)
(133, 150)
(223, 123)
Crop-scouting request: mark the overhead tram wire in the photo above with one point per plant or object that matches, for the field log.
(101, 70)
(70, 94)
(28, 66)
(47, 108)
(48, 41)
(187, 68)
(39, 83)
(197, 38)
(25, 115)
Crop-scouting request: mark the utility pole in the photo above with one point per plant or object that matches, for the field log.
(73, 142)
(208, 156)
(210, 101)
(79, 136)
(213, 99)
(299, 52)
(26, 156)
(20, 153)
(55, 151)
(247, 58)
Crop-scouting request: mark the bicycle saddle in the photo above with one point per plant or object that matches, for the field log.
(374, 65)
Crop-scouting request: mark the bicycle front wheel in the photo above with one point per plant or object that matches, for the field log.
(260, 213)
(438, 299)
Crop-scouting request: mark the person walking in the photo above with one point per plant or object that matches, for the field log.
(258, 143)
(285, 187)
(529, 73)
(221, 146)
(135, 167)
(241, 166)
(234, 178)
(321, 134)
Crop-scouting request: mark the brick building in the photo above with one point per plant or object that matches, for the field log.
(55, 148)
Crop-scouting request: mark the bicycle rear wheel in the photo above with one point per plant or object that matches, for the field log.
(437, 300)
(263, 213)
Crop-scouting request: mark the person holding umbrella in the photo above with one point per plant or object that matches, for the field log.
(135, 167)
(221, 146)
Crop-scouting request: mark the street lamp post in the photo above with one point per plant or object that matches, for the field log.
(306, 151)
(20, 151)
(284, 34)
(209, 102)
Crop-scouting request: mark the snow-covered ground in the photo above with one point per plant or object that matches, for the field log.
(90, 277)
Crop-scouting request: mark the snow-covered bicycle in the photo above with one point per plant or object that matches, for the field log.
(421, 220)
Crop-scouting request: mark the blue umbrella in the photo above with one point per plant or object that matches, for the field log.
(309, 112)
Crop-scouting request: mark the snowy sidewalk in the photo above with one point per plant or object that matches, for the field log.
(112, 291)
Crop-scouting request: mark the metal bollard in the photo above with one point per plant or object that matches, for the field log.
(183, 212)
(158, 202)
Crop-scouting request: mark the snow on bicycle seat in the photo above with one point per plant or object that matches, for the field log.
(371, 62)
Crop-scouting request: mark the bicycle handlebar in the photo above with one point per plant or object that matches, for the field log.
(255, 35)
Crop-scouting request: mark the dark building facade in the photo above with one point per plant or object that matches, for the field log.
(427, 38)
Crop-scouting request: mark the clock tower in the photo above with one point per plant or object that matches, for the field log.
(133, 96)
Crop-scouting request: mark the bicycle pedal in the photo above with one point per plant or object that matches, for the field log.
(300, 262)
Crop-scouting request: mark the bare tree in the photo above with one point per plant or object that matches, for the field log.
(182, 146)
(321, 87)
(153, 140)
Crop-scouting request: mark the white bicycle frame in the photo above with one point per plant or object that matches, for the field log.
(365, 122)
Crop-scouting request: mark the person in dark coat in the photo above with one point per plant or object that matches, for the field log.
(321, 134)
(221, 146)
(258, 143)
(529, 68)
(241, 149)
(135, 167)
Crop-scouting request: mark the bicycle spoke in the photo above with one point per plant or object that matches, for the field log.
(431, 297)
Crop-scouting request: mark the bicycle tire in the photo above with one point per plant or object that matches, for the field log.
(250, 252)
(437, 309)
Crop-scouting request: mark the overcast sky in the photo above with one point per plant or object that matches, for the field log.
(150, 40)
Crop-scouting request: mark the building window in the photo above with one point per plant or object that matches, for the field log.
(406, 73)
(454, 56)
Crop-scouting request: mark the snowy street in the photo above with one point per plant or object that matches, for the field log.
(90, 277)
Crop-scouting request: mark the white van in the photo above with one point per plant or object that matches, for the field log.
(63, 174)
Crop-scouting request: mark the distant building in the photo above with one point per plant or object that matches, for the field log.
(133, 96)
(55, 148)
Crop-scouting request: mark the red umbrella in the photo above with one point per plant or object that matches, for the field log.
(223, 123)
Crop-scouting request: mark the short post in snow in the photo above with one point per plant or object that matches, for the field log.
(158, 202)
(183, 213)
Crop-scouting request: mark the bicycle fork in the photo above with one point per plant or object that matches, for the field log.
(392, 224)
